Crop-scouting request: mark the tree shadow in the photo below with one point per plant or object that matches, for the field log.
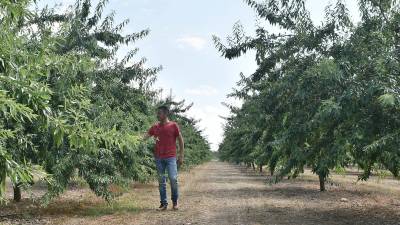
(272, 214)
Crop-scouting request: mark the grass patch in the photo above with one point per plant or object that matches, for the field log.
(92, 207)
(117, 207)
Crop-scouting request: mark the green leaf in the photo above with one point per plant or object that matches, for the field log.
(387, 100)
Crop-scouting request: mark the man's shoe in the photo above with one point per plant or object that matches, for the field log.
(163, 207)
(175, 206)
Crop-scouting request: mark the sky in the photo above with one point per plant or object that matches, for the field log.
(180, 40)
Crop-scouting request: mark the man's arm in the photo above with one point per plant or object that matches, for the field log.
(181, 149)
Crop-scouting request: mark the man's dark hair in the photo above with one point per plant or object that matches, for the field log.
(164, 109)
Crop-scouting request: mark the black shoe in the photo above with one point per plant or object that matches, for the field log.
(163, 207)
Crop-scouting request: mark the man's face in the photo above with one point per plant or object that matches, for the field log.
(161, 115)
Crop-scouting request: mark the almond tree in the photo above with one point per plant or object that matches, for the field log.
(327, 94)
(69, 105)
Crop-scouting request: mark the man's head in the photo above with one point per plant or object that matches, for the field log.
(162, 113)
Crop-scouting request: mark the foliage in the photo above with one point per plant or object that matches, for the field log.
(69, 107)
(323, 96)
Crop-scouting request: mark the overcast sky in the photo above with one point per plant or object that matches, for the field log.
(181, 41)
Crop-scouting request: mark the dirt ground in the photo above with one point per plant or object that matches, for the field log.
(221, 193)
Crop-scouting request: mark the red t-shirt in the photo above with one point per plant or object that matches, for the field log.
(166, 135)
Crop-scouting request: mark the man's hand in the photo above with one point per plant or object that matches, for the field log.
(180, 161)
(145, 137)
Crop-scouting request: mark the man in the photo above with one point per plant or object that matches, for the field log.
(166, 132)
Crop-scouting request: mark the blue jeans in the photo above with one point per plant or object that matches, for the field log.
(168, 164)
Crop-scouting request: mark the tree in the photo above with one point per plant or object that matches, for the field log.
(326, 95)
(70, 106)
(23, 99)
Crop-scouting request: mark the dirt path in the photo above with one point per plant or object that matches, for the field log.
(220, 193)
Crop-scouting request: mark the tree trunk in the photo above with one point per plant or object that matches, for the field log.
(321, 183)
(261, 169)
(272, 170)
(17, 193)
(254, 167)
